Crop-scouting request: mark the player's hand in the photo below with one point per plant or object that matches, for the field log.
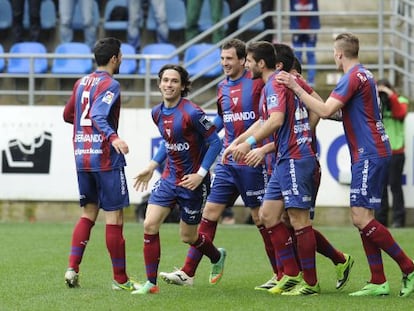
(191, 181)
(240, 151)
(255, 157)
(287, 79)
(142, 179)
(227, 152)
(120, 146)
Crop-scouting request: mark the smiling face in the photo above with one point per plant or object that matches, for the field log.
(233, 67)
(170, 86)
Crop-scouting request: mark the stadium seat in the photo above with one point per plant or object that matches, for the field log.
(111, 20)
(6, 16)
(157, 49)
(209, 62)
(176, 16)
(22, 65)
(2, 62)
(249, 15)
(128, 66)
(77, 21)
(47, 15)
(72, 65)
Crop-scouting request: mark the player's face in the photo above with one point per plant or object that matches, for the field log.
(252, 66)
(117, 62)
(170, 85)
(338, 57)
(232, 66)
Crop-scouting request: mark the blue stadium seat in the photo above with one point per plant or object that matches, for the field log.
(47, 15)
(77, 21)
(22, 65)
(176, 16)
(72, 65)
(6, 16)
(128, 66)
(249, 15)
(208, 60)
(157, 49)
(109, 24)
(2, 62)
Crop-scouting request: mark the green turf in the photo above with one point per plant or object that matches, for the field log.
(34, 259)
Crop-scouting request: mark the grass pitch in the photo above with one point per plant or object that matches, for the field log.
(34, 258)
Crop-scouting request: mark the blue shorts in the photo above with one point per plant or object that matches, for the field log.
(369, 177)
(107, 189)
(296, 182)
(166, 194)
(231, 180)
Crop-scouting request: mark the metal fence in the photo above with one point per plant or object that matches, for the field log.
(386, 40)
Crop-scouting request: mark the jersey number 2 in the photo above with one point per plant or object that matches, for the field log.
(84, 119)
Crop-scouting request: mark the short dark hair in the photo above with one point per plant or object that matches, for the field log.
(105, 48)
(284, 55)
(263, 50)
(185, 77)
(238, 45)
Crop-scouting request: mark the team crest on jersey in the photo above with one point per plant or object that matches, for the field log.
(272, 101)
(108, 97)
(205, 122)
(168, 131)
(235, 100)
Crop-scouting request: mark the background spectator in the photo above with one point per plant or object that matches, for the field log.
(66, 11)
(136, 14)
(234, 5)
(305, 39)
(193, 15)
(34, 16)
(268, 5)
(394, 109)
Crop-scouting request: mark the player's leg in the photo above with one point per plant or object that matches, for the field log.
(154, 217)
(82, 229)
(191, 214)
(343, 262)
(223, 193)
(113, 198)
(376, 237)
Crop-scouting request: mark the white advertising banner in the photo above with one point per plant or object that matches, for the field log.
(37, 160)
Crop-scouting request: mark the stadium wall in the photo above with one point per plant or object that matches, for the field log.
(38, 179)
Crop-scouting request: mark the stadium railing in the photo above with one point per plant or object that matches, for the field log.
(388, 40)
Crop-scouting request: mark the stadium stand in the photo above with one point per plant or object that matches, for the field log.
(203, 59)
(6, 16)
(47, 15)
(116, 15)
(23, 65)
(156, 64)
(128, 66)
(71, 65)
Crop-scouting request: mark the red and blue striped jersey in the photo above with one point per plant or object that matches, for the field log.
(304, 22)
(93, 109)
(294, 138)
(361, 114)
(238, 103)
(184, 129)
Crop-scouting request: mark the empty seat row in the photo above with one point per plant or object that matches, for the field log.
(199, 59)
